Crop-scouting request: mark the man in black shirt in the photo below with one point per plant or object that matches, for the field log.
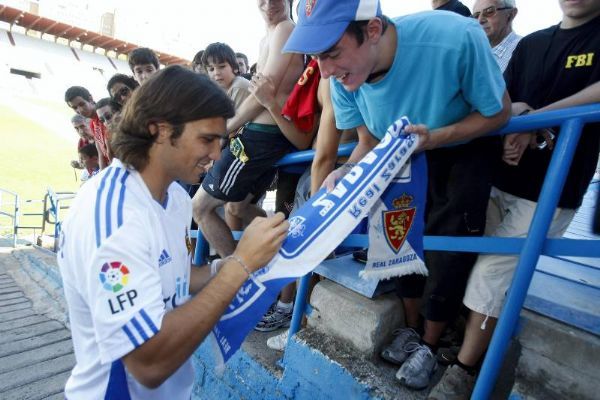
(550, 69)
(451, 5)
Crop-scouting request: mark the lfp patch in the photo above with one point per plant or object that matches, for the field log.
(114, 276)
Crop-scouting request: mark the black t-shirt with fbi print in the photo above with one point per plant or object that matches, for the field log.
(547, 66)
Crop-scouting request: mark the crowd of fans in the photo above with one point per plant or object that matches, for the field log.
(477, 185)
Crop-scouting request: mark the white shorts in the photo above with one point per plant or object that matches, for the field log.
(507, 216)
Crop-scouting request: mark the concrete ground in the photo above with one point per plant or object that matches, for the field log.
(36, 353)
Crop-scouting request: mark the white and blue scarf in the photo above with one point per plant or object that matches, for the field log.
(316, 229)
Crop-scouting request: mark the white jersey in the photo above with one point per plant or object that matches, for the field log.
(125, 262)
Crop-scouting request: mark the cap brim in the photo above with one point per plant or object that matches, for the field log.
(314, 39)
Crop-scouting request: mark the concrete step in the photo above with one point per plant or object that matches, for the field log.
(557, 361)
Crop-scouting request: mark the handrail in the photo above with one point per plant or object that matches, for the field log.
(55, 198)
(14, 216)
(571, 121)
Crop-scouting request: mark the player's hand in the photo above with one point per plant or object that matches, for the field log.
(263, 89)
(422, 131)
(261, 240)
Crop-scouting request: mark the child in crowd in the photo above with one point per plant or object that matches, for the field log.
(197, 63)
(120, 87)
(143, 63)
(88, 156)
(106, 109)
(221, 65)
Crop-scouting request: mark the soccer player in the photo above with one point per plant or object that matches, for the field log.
(138, 310)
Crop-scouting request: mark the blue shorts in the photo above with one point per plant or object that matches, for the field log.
(247, 165)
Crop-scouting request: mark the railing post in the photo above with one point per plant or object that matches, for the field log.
(542, 218)
(16, 220)
(299, 304)
(201, 250)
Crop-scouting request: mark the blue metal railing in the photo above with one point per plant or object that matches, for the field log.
(571, 121)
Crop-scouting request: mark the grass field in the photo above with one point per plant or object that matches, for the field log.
(33, 158)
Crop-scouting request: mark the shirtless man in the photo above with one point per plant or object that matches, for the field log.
(245, 169)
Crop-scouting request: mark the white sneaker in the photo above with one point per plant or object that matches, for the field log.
(278, 342)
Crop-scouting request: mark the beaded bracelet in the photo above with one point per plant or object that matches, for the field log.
(236, 258)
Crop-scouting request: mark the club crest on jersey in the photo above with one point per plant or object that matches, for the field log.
(114, 276)
(309, 7)
(188, 242)
(397, 223)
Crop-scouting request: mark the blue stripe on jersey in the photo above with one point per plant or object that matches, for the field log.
(121, 199)
(97, 212)
(149, 322)
(117, 388)
(109, 199)
(139, 328)
(130, 336)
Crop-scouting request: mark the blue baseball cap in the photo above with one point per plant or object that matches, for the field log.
(321, 23)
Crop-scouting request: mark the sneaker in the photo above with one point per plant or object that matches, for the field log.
(456, 384)
(395, 352)
(416, 371)
(278, 342)
(279, 318)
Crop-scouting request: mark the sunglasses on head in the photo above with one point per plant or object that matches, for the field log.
(489, 11)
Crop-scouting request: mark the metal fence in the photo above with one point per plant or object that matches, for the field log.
(529, 249)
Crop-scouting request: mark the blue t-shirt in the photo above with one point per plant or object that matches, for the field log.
(443, 70)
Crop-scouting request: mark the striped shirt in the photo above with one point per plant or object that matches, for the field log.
(503, 50)
(125, 262)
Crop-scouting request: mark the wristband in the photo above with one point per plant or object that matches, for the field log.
(239, 261)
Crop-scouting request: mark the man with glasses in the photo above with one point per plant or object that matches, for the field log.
(451, 5)
(496, 18)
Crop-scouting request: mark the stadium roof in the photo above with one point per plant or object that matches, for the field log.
(48, 26)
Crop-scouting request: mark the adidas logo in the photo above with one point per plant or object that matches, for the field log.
(164, 258)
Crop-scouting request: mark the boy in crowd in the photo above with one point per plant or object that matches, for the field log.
(120, 87)
(137, 308)
(81, 101)
(88, 155)
(246, 167)
(143, 63)
(106, 109)
(382, 69)
(550, 69)
(243, 64)
(221, 66)
(197, 63)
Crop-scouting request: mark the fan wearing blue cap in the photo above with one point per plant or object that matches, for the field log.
(437, 68)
